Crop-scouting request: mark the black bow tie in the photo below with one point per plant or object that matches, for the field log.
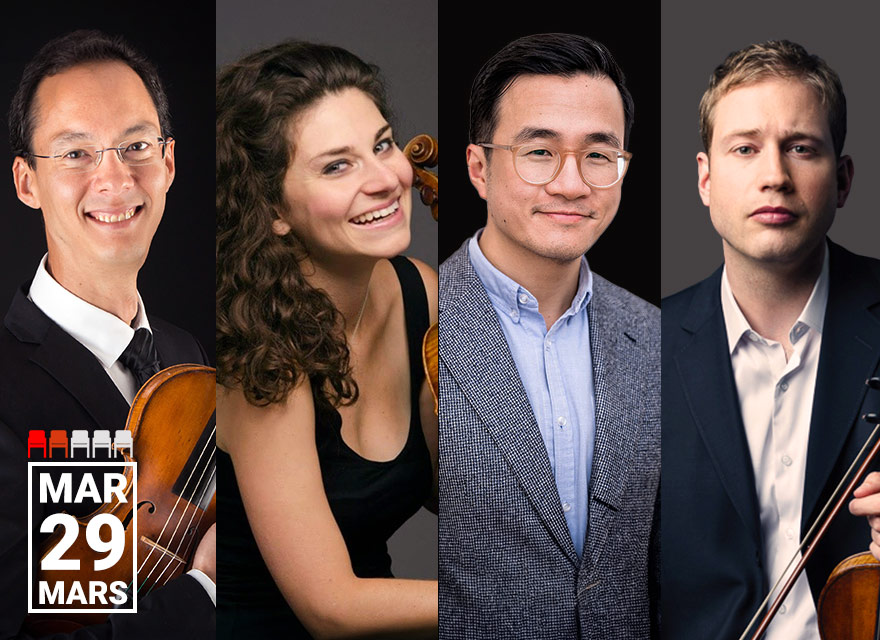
(140, 356)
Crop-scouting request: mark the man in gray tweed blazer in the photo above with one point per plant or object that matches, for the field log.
(549, 374)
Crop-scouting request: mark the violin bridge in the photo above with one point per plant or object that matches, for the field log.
(158, 547)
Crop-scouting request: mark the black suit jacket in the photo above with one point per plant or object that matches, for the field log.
(48, 380)
(712, 565)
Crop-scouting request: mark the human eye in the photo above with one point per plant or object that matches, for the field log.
(140, 145)
(75, 158)
(74, 154)
(803, 150)
(600, 156)
(538, 153)
(137, 151)
(335, 168)
(384, 145)
(743, 150)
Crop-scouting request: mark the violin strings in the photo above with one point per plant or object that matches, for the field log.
(806, 540)
(187, 501)
(177, 502)
(202, 512)
(171, 514)
(176, 552)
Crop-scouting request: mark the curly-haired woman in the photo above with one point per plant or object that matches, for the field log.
(327, 433)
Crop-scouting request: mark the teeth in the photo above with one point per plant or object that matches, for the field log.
(377, 215)
(114, 218)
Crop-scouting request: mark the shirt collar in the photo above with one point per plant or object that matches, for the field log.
(812, 316)
(505, 292)
(102, 333)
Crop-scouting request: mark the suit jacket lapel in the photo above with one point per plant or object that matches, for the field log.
(69, 363)
(484, 370)
(618, 420)
(850, 354)
(703, 366)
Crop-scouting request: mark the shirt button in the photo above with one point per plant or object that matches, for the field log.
(789, 533)
(753, 337)
(523, 298)
(783, 386)
(566, 507)
(561, 421)
(782, 609)
(786, 460)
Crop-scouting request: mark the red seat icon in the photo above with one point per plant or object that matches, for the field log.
(37, 440)
(57, 438)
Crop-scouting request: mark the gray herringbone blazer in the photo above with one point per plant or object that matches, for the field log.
(508, 567)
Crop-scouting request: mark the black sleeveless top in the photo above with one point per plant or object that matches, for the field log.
(370, 500)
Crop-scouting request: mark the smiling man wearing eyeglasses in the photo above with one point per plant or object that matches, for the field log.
(89, 127)
(549, 374)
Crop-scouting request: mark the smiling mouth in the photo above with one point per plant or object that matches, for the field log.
(375, 216)
(111, 218)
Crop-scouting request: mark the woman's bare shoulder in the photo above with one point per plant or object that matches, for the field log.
(239, 421)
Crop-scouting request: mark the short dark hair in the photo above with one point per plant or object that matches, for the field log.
(61, 54)
(775, 59)
(555, 54)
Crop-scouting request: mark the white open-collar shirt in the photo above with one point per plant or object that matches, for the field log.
(776, 401)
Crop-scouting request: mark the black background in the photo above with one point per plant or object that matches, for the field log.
(628, 253)
(177, 281)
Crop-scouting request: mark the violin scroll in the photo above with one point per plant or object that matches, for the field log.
(423, 151)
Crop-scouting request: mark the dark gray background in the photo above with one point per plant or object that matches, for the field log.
(694, 41)
(401, 38)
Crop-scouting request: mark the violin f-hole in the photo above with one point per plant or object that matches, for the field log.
(131, 513)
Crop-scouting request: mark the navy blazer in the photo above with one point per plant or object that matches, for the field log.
(712, 579)
(508, 567)
(49, 380)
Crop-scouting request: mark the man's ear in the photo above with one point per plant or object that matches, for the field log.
(703, 181)
(845, 171)
(25, 183)
(478, 168)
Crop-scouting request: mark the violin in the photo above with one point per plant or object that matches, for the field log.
(423, 151)
(849, 605)
(173, 428)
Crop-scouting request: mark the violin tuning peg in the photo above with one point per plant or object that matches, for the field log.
(874, 382)
(873, 418)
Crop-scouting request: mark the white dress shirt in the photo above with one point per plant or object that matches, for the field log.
(776, 400)
(102, 333)
(105, 336)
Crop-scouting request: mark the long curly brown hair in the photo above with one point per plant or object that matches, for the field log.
(273, 327)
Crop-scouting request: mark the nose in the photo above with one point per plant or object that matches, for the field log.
(775, 174)
(568, 182)
(381, 177)
(112, 174)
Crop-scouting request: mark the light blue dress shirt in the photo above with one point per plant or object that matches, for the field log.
(556, 369)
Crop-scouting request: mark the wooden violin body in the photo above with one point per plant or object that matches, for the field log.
(173, 428)
(848, 606)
